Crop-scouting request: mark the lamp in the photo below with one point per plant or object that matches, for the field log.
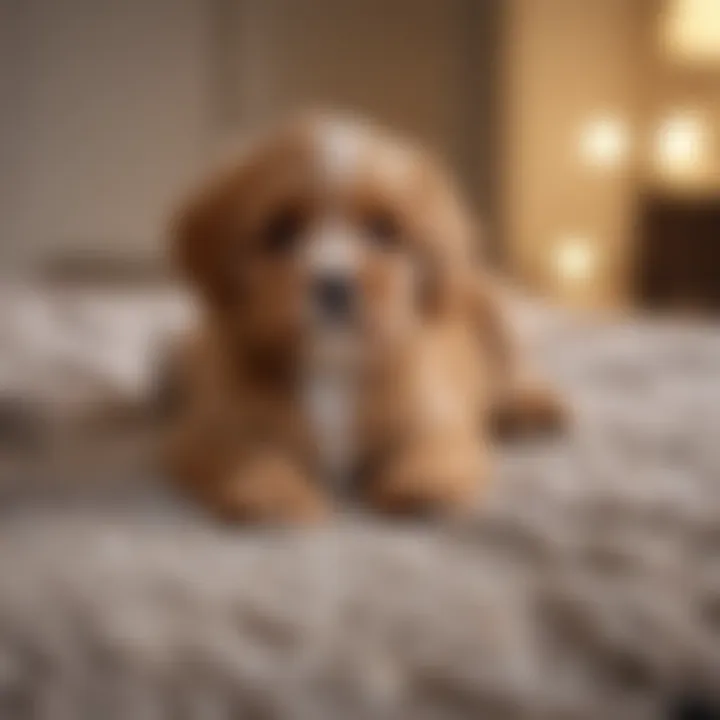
(691, 30)
(604, 142)
(574, 259)
(680, 144)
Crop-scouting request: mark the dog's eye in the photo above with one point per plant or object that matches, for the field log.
(383, 229)
(282, 230)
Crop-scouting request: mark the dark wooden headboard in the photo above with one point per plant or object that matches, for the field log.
(678, 258)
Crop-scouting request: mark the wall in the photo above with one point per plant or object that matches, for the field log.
(568, 62)
(104, 115)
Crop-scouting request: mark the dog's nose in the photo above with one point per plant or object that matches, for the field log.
(334, 297)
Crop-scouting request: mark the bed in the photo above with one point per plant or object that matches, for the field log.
(585, 585)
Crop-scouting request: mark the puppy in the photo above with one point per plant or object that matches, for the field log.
(350, 344)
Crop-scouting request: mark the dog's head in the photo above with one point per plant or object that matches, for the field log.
(326, 228)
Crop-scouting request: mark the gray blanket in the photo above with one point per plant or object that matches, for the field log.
(586, 585)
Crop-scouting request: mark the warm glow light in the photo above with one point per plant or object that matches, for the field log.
(604, 142)
(680, 144)
(575, 258)
(692, 30)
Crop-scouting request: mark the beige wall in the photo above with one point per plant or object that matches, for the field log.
(568, 61)
(104, 114)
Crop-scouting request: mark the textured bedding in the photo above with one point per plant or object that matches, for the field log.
(586, 585)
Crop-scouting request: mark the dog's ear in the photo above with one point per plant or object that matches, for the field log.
(202, 236)
(440, 284)
(447, 244)
(208, 230)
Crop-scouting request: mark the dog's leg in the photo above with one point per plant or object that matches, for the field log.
(214, 456)
(522, 403)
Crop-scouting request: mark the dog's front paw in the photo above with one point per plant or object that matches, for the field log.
(429, 480)
(270, 490)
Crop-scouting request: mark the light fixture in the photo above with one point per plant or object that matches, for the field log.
(604, 142)
(690, 31)
(680, 144)
(574, 258)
